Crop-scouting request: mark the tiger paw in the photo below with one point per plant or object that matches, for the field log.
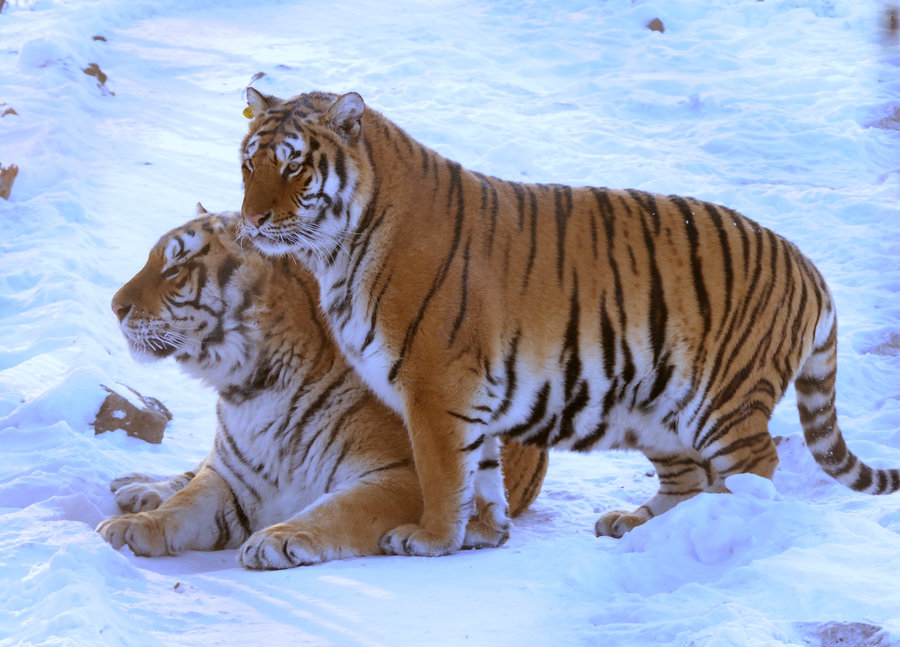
(140, 492)
(129, 479)
(489, 529)
(277, 548)
(411, 539)
(136, 496)
(138, 532)
(616, 523)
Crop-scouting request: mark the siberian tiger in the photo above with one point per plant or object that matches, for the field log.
(579, 318)
(307, 465)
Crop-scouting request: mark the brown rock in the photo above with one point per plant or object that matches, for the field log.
(7, 176)
(140, 417)
(656, 25)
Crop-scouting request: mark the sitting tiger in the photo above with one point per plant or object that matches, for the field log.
(306, 465)
(580, 318)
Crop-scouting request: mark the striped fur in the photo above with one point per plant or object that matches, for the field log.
(580, 318)
(306, 465)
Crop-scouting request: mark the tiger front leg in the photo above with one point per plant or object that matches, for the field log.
(202, 516)
(346, 523)
(489, 527)
(446, 463)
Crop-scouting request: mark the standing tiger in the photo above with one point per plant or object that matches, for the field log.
(579, 318)
(307, 465)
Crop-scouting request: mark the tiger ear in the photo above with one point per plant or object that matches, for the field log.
(201, 210)
(345, 116)
(258, 103)
(229, 221)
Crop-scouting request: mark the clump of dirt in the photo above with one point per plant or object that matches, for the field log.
(141, 417)
(94, 70)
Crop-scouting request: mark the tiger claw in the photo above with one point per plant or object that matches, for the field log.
(276, 548)
(411, 539)
(489, 529)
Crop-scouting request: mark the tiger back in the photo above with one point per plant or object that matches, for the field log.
(306, 464)
(580, 318)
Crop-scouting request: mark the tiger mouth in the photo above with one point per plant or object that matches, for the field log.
(310, 241)
(270, 242)
(152, 343)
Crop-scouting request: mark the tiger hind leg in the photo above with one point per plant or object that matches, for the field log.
(140, 492)
(746, 447)
(204, 515)
(681, 476)
(524, 469)
(738, 444)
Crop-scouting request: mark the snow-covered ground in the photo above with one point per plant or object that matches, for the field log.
(787, 110)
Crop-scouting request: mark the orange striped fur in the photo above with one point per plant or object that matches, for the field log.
(580, 318)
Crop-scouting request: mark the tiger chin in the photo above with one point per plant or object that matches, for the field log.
(579, 318)
(307, 465)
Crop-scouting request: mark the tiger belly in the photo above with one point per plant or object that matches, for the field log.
(530, 403)
(599, 414)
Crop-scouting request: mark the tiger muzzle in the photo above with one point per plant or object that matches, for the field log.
(257, 219)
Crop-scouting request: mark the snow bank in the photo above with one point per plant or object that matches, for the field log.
(786, 110)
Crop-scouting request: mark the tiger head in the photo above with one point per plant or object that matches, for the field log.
(306, 173)
(192, 300)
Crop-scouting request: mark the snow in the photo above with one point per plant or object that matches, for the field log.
(786, 110)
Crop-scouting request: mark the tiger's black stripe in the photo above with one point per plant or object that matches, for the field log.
(538, 411)
(532, 236)
(463, 298)
(702, 295)
(510, 375)
(562, 197)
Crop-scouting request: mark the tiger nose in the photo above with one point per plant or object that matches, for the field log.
(256, 219)
(120, 309)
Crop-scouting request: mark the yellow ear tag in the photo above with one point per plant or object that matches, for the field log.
(248, 112)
